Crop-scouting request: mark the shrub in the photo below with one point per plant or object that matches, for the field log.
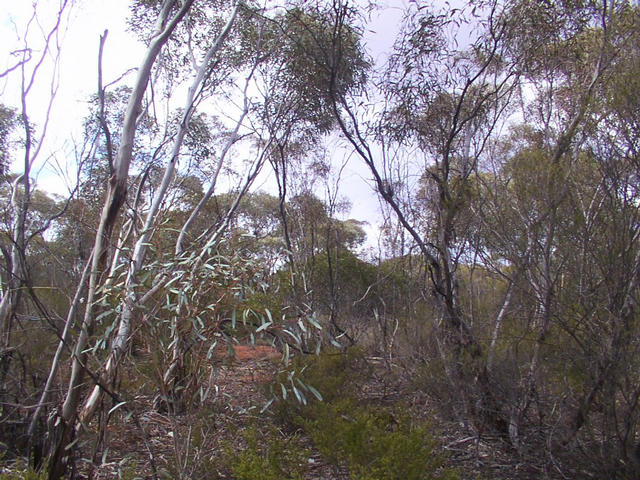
(267, 456)
(373, 442)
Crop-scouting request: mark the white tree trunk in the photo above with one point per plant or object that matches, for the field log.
(62, 433)
(121, 339)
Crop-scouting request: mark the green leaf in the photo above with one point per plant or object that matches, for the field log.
(162, 473)
(312, 320)
(293, 335)
(103, 315)
(299, 394)
(211, 348)
(286, 354)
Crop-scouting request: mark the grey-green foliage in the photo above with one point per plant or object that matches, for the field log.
(316, 60)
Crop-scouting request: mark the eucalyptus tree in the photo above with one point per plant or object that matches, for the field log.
(31, 141)
(546, 167)
(300, 118)
(169, 15)
(544, 212)
(23, 133)
(174, 26)
(443, 104)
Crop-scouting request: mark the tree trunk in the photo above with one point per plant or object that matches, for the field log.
(64, 428)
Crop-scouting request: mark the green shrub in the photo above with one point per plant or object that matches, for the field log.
(373, 442)
(333, 373)
(267, 455)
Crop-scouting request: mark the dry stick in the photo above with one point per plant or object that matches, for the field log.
(101, 115)
(55, 364)
(19, 242)
(11, 296)
(122, 403)
(179, 248)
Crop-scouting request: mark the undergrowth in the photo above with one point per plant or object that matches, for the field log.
(19, 471)
(266, 454)
(373, 442)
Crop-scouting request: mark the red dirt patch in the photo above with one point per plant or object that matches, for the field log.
(244, 353)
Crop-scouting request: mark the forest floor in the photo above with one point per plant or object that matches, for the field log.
(145, 440)
(237, 395)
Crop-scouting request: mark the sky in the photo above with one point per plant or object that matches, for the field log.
(76, 75)
(85, 22)
(77, 80)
